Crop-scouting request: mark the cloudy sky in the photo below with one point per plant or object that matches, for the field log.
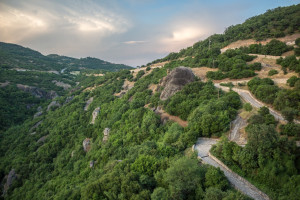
(132, 32)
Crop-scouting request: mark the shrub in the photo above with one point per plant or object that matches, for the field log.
(272, 72)
(247, 107)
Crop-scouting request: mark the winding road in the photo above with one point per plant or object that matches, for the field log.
(248, 97)
(203, 146)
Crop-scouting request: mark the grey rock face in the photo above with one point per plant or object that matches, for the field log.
(86, 144)
(86, 107)
(92, 163)
(95, 114)
(35, 126)
(72, 153)
(37, 92)
(37, 114)
(11, 177)
(53, 104)
(68, 99)
(42, 139)
(106, 134)
(175, 81)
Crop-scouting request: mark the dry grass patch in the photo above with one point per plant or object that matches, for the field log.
(201, 72)
(289, 40)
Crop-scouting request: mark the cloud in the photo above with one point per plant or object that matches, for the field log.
(78, 17)
(134, 42)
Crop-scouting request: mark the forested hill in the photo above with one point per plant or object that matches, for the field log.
(29, 79)
(274, 23)
(16, 56)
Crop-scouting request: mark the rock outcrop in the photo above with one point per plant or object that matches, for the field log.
(68, 99)
(53, 104)
(42, 139)
(86, 144)
(39, 112)
(92, 163)
(62, 84)
(10, 178)
(95, 114)
(86, 107)
(35, 126)
(175, 81)
(106, 134)
(37, 92)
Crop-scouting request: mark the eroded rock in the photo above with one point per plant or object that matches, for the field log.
(106, 134)
(10, 178)
(37, 114)
(175, 81)
(68, 99)
(37, 92)
(53, 104)
(86, 107)
(86, 144)
(92, 163)
(35, 126)
(42, 139)
(95, 114)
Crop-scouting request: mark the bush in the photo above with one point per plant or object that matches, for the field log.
(291, 81)
(290, 129)
(272, 72)
(247, 107)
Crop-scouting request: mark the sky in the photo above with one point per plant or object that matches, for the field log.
(132, 32)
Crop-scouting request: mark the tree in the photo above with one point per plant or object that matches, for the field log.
(214, 194)
(289, 113)
(247, 107)
(291, 81)
(159, 194)
(214, 177)
(183, 178)
(145, 164)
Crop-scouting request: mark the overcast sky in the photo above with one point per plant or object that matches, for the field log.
(132, 32)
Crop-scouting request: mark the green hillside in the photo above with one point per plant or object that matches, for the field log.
(44, 74)
(130, 151)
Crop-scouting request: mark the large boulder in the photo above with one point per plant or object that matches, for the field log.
(86, 144)
(175, 81)
(95, 114)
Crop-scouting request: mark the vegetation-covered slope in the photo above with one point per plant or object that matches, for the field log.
(274, 23)
(43, 75)
(61, 155)
(141, 159)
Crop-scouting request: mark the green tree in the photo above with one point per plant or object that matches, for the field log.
(214, 177)
(183, 178)
(247, 107)
(159, 194)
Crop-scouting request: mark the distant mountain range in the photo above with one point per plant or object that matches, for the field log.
(13, 55)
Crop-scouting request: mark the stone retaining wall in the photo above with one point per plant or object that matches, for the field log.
(238, 177)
